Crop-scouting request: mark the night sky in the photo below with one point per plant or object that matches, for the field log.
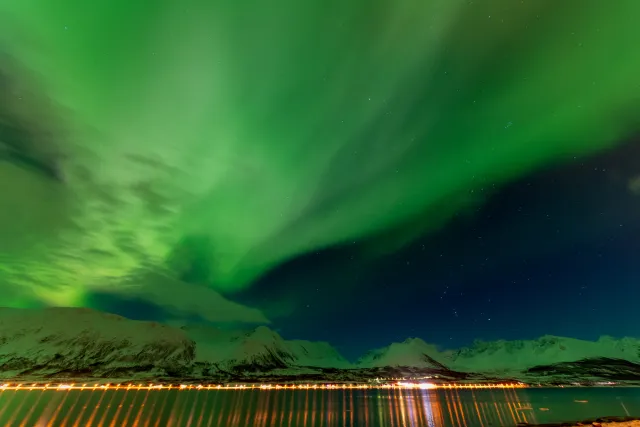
(554, 252)
(356, 172)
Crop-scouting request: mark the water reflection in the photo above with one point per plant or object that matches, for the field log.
(291, 408)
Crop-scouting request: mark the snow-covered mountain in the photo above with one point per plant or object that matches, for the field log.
(81, 342)
(412, 353)
(317, 354)
(259, 349)
(548, 358)
(521, 355)
(76, 342)
(57, 343)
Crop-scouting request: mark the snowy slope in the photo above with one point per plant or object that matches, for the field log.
(413, 353)
(81, 342)
(317, 354)
(548, 350)
(548, 358)
(259, 349)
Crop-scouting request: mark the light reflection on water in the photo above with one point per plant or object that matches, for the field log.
(298, 408)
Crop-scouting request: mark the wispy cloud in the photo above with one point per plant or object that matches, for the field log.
(634, 185)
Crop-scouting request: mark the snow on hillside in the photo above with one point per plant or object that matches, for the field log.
(85, 342)
(317, 354)
(259, 348)
(547, 350)
(551, 356)
(413, 353)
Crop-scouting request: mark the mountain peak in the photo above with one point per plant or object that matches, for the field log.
(414, 341)
(412, 352)
(265, 332)
(75, 341)
(67, 340)
(545, 350)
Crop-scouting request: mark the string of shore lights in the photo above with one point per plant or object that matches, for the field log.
(151, 386)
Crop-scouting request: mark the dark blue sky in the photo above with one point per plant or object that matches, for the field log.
(553, 253)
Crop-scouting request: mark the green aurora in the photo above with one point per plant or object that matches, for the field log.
(205, 142)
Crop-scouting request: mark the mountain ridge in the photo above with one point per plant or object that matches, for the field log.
(81, 342)
(73, 341)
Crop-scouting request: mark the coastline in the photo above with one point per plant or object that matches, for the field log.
(598, 422)
(158, 385)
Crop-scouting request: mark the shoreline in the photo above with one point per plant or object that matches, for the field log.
(163, 383)
(597, 422)
(130, 385)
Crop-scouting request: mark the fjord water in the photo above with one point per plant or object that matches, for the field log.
(306, 408)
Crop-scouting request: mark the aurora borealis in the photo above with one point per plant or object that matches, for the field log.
(178, 153)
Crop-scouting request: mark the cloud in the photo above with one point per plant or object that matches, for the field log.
(634, 185)
(182, 299)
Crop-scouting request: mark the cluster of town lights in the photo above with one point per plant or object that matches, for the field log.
(401, 385)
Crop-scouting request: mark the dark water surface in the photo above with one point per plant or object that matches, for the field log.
(298, 408)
